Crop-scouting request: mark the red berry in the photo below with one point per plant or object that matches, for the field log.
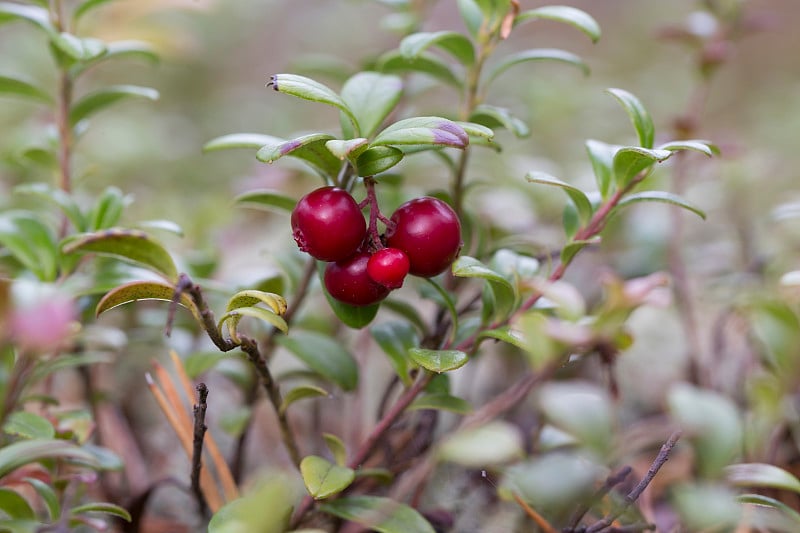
(328, 224)
(348, 281)
(429, 232)
(388, 267)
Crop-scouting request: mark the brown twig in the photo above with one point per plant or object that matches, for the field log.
(611, 482)
(633, 495)
(200, 428)
(543, 524)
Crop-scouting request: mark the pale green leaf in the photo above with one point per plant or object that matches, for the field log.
(378, 514)
(102, 98)
(241, 140)
(322, 478)
(18, 87)
(308, 89)
(537, 54)
(371, 97)
(438, 360)
(663, 197)
(566, 14)
(639, 116)
(452, 42)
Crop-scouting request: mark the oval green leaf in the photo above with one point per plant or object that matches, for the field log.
(14, 506)
(29, 426)
(102, 507)
(761, 475)
(441, 402)
(537, 54)
(79, 49)
(17, 87)
(143, 290)
(499, 117)
(64, 201)
(396, 339)
(371, 96)
(378, 159)
(323, 478)
(452, 42)
(48, 496)
(572, 248)
(638, 114)
(601, 156)
(308, 148)
(24, 452)
(266, 199)
(325, 356)
(308, 89)
(129, 245)
(704, 147)
(336, 446)
(383, 515)
(38, 16)
(250, 298)
(438, 360)
(395, 63)
(301, 393)
(31, 243)
(233, 317)
(663, 197)
(349, 149)
(577, 196)
(492, 444)
(434, 131)
(102, 98)
(241, 140)
(87, 6)
(629, 161)
(118, 49)
(568, 15)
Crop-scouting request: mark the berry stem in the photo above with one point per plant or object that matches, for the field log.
(374, 214)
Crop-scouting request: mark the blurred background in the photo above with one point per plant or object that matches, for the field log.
(217, 56)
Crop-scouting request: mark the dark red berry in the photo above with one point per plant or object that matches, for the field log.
(328, 224)
(388, 267)
(348, 281)
(428, 231)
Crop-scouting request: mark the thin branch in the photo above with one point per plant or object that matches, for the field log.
(250, 347)
(185, 285)
(633, 495)
(200, 428)
(611, 482)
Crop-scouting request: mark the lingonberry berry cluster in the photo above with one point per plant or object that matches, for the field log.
(423, 237)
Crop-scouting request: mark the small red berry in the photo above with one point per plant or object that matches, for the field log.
(428, 231)
(328, 224)
(388, 267)
(348, 281)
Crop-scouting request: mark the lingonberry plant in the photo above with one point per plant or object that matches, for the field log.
(492, 374)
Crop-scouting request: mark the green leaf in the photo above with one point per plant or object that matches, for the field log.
(572, 248)
(101, 507)
(308, 89)
(167, 226)
(323, 355)
(300, 393)
(108, 209)
(761, 475)
(438, 360)
(336, 446)
(322, 478)
(639, 116)
(17, 87)
(28, 426)
(13, 505)
(441, 402)
(236, 421)
(629, 161)
(471, 15)
(143, 290)
(577, 196)
(452, 42)
(663, 197)
(250, 298)
(582, 409)
(383, 515)
(128, 245)
(309, 148)
(505, 294)
(758, 499)
(58, 197)
(713, 423)
(566, 14)
(435, 131)
(87, 6)
(371, 97)
(602, 157)
(38, 16)
(349, 149)
(491, 444)
(443, 298)
(265, 509)
(47, 494)
(79, 49)
(704, 147)
(378, 159)
(396, 339)
(31, 243)
(537, 54)
(477, 132)
(395, 63)
(266, 199)
(233, 317)
(496, 117)
(115, 50)
(44, 156)
(241, 140)
(24, 452)
(200, 362)
(102, 98)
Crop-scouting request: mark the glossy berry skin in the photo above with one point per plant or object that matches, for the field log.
(348, 281)
(328, 224)
(388, 267)
(428, 231)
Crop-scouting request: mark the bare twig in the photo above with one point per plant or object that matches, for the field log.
(611, 482)
(633, 495)
(200, 428)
